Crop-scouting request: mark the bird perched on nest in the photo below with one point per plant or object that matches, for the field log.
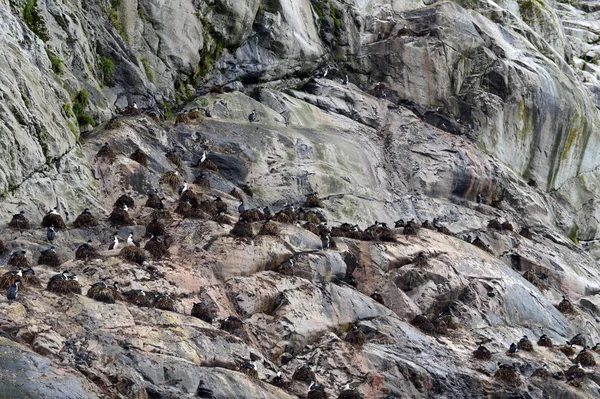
(64, 284)
(53, 219)
(19, 221)
(85, 219)
(101, 292)
(49, 257)
(164, 302)
(250, 369)
(316, 391)
(137, 297)
(18, 259)
(204, 311)
(545, 341)
(86, 251)
(512, 350)
(231, 323)
(349, 393)
(525, 344)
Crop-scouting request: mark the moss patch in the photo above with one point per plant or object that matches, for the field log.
(79, 105)
(107, 67)
(34, 20)
(149, 73)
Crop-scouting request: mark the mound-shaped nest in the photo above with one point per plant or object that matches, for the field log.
(209, 207)
(541, 373)
(137, 299)
(124, 200)
(182, 118)
(157, 248)
(304, 374)
(313, 201)
(120, 217)
(507, 226)
(578, 340)
(236, 194)
(140, 157)
(525, 345)
(154, 201)
(133, 254)
(202, 181)
(222, 218)
(285, 217)
(232, 324)
(131, 111)
(242, 229)
(494, 224)
(19, 261)
(175, 159)
(51, 220)
(204, 311)
(86, 252)
(586, 359)
(482, 353)
(567, 350)
(191, 197)
(356, 337)
(30, 280)
(164, 302)
(269, 229)
(423, 324)
(249, 371)
(350, 394)
(85, 220)
(155, 228)
(410, 229)
(508, 374)
(575, 372)
(526, 232)
(209, 165)
(312, 227)
(195, 115)
(19, 222)
(171, 179)
(6, 280)
(60, 286)
(49, 258)
(420, 260)
(566, 307)
(545, 341)
(252, 215)
(106, 153)
(102, 294)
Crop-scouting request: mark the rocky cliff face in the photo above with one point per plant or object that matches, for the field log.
(445, 101)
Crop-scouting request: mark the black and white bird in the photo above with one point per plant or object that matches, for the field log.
(50, 250)
(207, 113)
(86, 211)
(104, 147)
(379, 35)
(252, 116)
(135, 106)
(278, 379)
(53, 211)
(345, 81)
(115, 243)
(315, 387)
(513, 349)
(479, 199)
(325, 241)
(326, 72)
(203, 158)
(13, 291)
(183, 188)
(51, 234)
(17, 272)
(131, 241)
(241, 207)
(63, 276)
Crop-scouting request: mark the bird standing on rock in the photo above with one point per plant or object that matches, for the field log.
(479, 199)
(345, 81)
(13, 291)
(379, 35)
(241, 207)
(51, 234)
(203, 158)
(131, 241)
(183, 188)
(325, 241)
(115, 242)
(252, 116)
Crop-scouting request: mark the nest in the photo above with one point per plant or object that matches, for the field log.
(210, 207)
(312, 218)
(222, 219)
(423, 324)
(269, 229)
(6, 280)
(124, 200)
(19, 261)
(312, 227)
(386, 234)
(19, 222)
(304, 374)
(191, 197)
(107, 154)
(171, 179)
(236, 194)
(154, 201)
(210, 165)
(131, 111)
(586, 359)
(164, 302)
(283, 217)
(567, 350)
(155, 228)
(356, 337)
(247, 190)
(575, 372)
(494, 224)
(49, 258)
(232, 324)
(508, 374)
(316, 394)
(195, 115)
(531, 277)
(120, 217)
(252, 215)
(482, 353)
(204, 311)
(444, 230)
(410, 229)
(136, 299)
(420, 260)
(480, 244)
(86, 252)
(102, 294)
(31, 280)
(133, 254)
(51, 220)
(242, 229)
(175, 159)
(525, 345)
(202, 181)
(60, 286)
(85, 220)
(157, 248)
(578, 340)
(541, 373)
(312, 201)
(250, 372)
(182, 118)
(140, 157)
(566, 307)
(350, 394)
(161, 214)
(221, 206)
(545, 341)
(507, 226)
(525, 232)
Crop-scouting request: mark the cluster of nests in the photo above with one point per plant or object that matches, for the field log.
(103, 293)
(509, 373)
(412, 227)
(434, 325)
